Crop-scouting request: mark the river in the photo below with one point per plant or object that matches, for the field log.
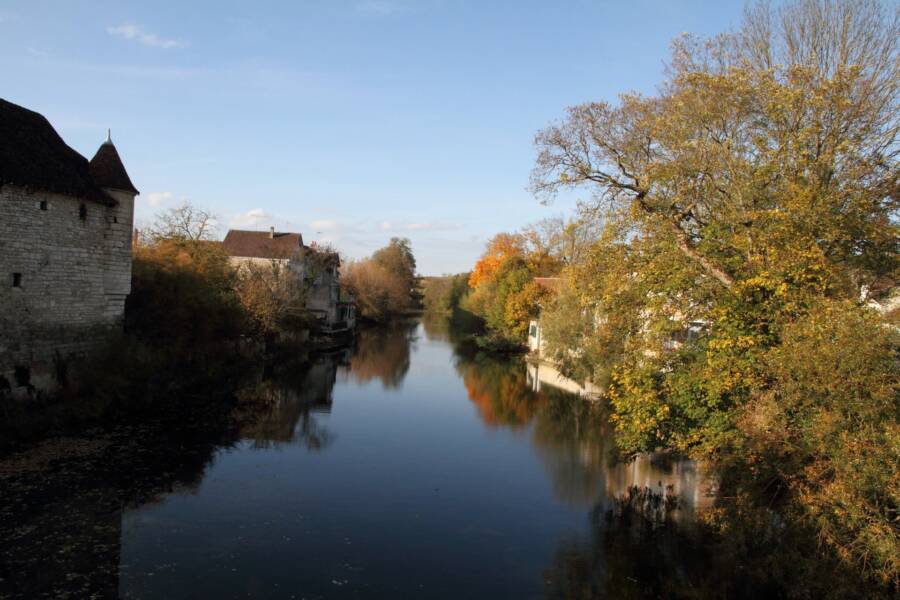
(408, 467)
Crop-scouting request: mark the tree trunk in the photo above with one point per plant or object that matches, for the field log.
(709, 266)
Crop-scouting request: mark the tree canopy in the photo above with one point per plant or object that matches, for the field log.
(750, 209)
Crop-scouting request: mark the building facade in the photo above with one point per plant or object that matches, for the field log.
(332, 306)
(65, 250)
(319, 270)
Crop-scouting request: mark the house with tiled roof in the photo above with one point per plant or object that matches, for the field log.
(65, 250)
(262, 247)
(332, 307)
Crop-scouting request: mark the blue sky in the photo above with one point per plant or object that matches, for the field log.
(350, 121)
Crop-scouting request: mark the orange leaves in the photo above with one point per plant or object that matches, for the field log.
(500, 248)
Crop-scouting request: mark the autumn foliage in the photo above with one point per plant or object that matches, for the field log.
(383, 284)
(750, 214)
(500, 248)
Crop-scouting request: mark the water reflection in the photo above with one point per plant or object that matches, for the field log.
(383, 353)
(632, 548)
(62, 504)
(293, 402)
(455, 477)
(624, 556)
(541, 374)
(575, 441)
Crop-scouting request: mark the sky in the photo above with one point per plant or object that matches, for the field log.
(349, 121)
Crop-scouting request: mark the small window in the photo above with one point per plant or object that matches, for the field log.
(22, 376)
(17, 280)
(82, 212)
(115, 219)
(43, 205)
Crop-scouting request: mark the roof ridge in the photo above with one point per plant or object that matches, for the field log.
(33, 154)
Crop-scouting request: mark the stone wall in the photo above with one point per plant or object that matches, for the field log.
(65, 271)
(239, 261)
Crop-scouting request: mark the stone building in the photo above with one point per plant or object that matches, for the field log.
(329, 303)
(65, 250)
(333, 309)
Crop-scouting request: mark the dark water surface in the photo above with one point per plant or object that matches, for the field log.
(407, 468)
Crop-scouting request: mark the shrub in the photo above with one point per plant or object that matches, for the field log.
(273, 298)
(383, 284)
(183, 293)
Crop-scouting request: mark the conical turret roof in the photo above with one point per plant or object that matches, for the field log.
(108, 171)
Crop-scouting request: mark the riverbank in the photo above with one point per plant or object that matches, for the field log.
(112, 512)
(520, 485)
(193, 329)
(750, 520)
(130, 383)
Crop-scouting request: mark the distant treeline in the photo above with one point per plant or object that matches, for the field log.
(503, 290)
(441, 296)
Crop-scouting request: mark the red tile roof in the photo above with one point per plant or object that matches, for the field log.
(261, 244)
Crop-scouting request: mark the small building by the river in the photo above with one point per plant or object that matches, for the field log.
(262, 247)
(536, 344)
(65, 250)
(333, 309)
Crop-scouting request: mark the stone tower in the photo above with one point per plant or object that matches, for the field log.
(109, 174)
(65, 251)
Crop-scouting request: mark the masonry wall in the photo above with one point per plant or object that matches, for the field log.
(239, 261)
(73, 270)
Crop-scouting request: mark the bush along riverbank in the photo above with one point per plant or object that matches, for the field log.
(192, 331)
(385, 284)
(448, 299)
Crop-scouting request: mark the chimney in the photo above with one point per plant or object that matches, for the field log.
(271, 233)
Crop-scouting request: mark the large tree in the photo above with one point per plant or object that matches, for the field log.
(184, 223)
(398, 259)
(755, 195)
(778, 139)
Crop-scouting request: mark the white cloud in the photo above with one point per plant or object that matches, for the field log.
(133, 32)
(251, 218)
(158, 198)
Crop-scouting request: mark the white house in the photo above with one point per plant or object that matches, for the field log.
(319, 270)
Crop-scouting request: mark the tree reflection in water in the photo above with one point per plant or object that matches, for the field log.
(61, 520)
(61, 505)
(642, 540)
(383, 353)
(574, 440)
(292, 403)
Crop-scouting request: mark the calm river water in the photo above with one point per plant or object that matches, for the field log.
(406, 468)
